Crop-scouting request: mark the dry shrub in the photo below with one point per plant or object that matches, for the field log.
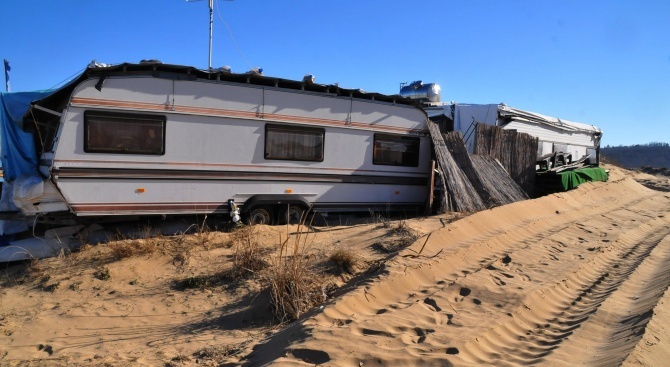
(382, 220)
(124, 248)
(192, 282)
(102, 274)
(295, 286)
(344, 259)
(219, 353)
(400, 236)
(38, 270)
(180, 250)
(129, 248)
(407, 235)
(248, 257)
(203, 236)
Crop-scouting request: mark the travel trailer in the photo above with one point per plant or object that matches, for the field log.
(555, 135)
(158, 139)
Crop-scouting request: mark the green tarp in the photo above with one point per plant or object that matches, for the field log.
(572, 179)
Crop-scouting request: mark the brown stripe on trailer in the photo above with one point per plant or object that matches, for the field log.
(148, 174)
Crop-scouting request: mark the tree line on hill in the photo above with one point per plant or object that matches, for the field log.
(637, 156)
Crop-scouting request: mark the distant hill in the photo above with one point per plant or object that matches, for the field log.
(636, 156)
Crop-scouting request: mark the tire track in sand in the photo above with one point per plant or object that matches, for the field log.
(430, 311)
(550, 316)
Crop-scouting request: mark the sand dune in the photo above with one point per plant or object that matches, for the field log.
(568, 279)
(577, 278)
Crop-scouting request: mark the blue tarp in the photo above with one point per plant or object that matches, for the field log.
(19, 156)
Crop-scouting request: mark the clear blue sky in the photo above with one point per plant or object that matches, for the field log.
(605, 63)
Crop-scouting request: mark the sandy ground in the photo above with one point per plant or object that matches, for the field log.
(576, 278)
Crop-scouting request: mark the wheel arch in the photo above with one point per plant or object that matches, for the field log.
(275, 200)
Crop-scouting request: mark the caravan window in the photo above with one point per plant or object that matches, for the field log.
(124, 133)
(392, 150)
(295, 143)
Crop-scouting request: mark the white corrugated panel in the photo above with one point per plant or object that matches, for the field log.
(548, 133)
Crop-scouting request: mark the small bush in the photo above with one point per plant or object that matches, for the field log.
(180, 250)
(218, 353)
(193, 282)
(383, 220)
(248, 257)
(37, 270)
(102, 274)
(129, 248)
(407, 235)
(344, 259)
(148, 243)
(295, 287)
(51, 287)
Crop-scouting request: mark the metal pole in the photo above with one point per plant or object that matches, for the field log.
(211, 24)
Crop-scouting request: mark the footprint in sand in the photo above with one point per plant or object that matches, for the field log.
(463, 292)
(46, 348)
(311, 356)
(431, 302)
(499, 282)
(373, 332)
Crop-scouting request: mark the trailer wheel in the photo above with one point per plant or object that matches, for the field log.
(260, 215)
(291, 214)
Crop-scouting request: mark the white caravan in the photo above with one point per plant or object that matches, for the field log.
(554, 135)
(158, 139)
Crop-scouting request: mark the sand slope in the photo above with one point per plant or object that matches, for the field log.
(568, 279)
(578, 278)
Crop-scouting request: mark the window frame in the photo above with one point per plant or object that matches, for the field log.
(130, 118)
(413, 140)
(294, 129)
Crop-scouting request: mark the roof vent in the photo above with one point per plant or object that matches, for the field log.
(95, 64)
(255, 71)
(223, 69)
(150, 61)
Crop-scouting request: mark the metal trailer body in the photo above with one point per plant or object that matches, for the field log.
(554, 135)
(215, 132)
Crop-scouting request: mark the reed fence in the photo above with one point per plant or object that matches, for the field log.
(517, 152)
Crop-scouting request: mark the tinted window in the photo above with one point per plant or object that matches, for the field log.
(294, 143)
(124, 133)
(391, 150)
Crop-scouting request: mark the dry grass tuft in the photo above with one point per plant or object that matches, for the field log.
(407, 235)
(192, 282)
(37, 270)
(148, 244)
(130, 248)
(248, 257)
(219, 353)
(294, 284)
(102, 274)
(382, 220)
(344, 259)
(400, 236)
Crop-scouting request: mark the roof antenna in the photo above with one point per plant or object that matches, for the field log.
(211, 26)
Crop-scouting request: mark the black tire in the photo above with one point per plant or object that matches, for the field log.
(260, 215)
(291, 214)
